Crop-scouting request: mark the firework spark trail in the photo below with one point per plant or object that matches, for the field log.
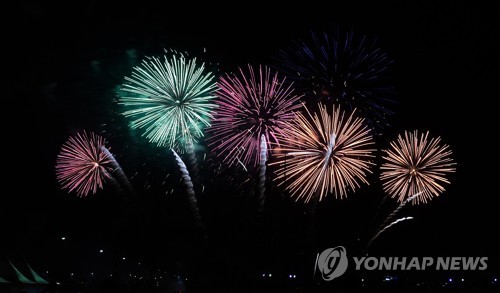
(325, 152)
(344, 68)
(396, 211)
(81, 165)
(117, 173)
(193, 203)
(250, 104)
(385, 228)
(170, 100)
(242, 165)
(262, 177)
(415, 164)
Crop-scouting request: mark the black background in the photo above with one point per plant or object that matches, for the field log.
(70, 58)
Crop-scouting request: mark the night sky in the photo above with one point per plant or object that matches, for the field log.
(70, 59)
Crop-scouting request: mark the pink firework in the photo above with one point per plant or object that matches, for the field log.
(82, 165)
(251, 104)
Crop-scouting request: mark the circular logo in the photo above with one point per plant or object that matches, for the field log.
(332, 262)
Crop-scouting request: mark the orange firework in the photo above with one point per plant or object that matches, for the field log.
(416, 164)
(325, 152)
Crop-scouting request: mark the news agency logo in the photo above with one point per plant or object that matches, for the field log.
(333, 262)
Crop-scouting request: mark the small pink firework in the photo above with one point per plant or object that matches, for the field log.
(82, 165)
(416, 164)
(250, 104)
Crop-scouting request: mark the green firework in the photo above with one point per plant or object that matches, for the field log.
(170, 100)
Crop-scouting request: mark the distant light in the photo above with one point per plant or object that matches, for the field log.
(91, 274)
(123, 258)
(362, 280)
(294, 276)
(139, 264)
(387, 278)
(111, 275)
(263, 275)
(71, 274)
(494, 280)
(63, 238)
(450, 280)
(47, 272)
(101, 251)
(462, 280)
(270, 275)
(57, 283)
(290, 276)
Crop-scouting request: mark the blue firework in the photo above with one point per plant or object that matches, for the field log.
(341, 68)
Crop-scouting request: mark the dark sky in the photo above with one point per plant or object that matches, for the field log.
(70, 58)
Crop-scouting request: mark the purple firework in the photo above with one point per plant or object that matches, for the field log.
(342, 68)
(82, 165)
(251, 104)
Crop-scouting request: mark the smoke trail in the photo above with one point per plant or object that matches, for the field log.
(313, 200)
(193, 203)
(194, 170)
(329, 151)
(311, 208)
(117, 173)
(262, 178)
(112, 181)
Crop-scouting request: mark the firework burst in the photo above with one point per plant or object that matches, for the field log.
(343, 68)
(82, 165)
(416, 164)
(250, 104)
(170, 99)
(325, 152)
